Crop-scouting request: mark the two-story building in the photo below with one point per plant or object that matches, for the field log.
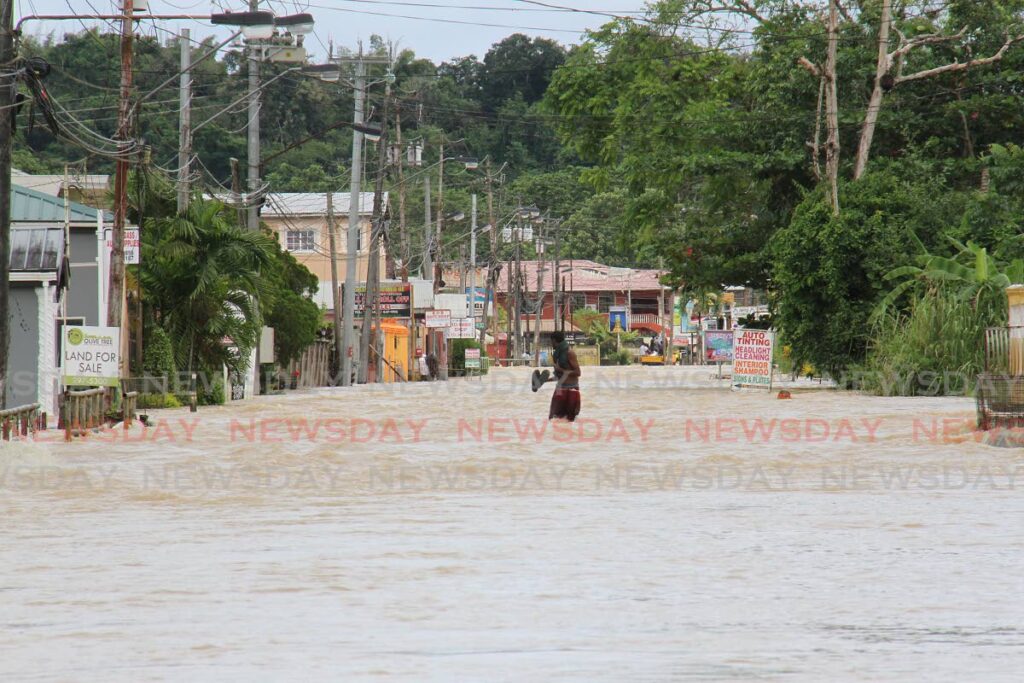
(300, 221)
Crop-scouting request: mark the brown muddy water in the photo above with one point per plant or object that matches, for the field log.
(679, 531)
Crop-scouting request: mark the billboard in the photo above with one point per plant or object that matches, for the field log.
(437, 318)
(395, 299)
(752, 364)
(462, 328)
(718, 346)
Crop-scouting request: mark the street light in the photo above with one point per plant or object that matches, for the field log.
(297, 24)
(254, 25)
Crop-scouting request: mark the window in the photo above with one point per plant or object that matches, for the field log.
(300, 240)
(605, 302)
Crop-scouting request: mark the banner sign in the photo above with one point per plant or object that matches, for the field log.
(131, 245)
(462, 328)
(618, 319)
(718, 346)
(92, 356)
(437, 318)
(752, 364)
(395, 300)
(473, 359)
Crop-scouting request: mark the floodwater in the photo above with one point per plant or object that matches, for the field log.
(679, 532)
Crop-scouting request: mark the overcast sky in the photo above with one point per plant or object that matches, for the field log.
(432, 34)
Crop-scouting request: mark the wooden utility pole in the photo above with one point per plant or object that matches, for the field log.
(335, 285)
(540, 302)
(492, 265)
(115, 303)
(185, 120)
(7, 96)
(832, 107)
(236, 191)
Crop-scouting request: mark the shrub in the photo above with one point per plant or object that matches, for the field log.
(158, 357)
(156, 401)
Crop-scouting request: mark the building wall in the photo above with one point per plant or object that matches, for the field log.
(83, 296)
(25, 348)
(318, 260)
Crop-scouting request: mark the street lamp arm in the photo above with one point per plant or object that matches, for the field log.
(334, 126)
(108, 17)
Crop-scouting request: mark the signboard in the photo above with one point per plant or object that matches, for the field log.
(395, 300)
(437, 318)
(131, 244)
(462, 328)
(718, 346)
(473, 359)
(91, 356)
(752, 364)
(618, 318)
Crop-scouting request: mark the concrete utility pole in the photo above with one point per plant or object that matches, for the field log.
(540, 302)
(335, 288)
(492, 266)
(185, 117)
(428, 227)
(6, 143)
(116, 301)
(371, 316)
(472, 263)
(253, 131)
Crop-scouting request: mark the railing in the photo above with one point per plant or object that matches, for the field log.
(129, 407)
(19, 421)
(1004, 350)
(83, 411)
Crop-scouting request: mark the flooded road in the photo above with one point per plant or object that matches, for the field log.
(435, 532)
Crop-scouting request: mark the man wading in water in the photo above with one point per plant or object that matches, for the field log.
(565, 403)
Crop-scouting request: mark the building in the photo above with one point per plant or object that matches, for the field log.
(57, 277)
(588, 285)
(300, 221)
(93, 190)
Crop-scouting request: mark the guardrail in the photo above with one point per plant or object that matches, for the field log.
(19, 421)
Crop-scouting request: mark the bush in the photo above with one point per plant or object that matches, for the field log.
(156, 401)
(214, 395)
(158, 357)
(457, 360)
(622, 357)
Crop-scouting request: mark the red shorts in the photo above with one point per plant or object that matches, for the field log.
(565, 404)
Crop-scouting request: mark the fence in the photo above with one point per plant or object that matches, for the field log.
(1000, 401)
(19, 421)
(82, 411)
(313, 367)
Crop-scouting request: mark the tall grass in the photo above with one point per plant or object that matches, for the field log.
(937, 347)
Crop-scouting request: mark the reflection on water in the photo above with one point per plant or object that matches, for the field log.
(447, 532)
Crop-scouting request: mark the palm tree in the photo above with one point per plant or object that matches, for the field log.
(201, 274)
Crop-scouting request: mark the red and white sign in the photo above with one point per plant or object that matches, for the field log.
(438, 318)
(462, 328)
(131, 245)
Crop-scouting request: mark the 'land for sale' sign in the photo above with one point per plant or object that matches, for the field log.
(752, 358)
(91, 356)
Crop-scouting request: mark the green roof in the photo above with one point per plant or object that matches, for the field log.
(30, 205)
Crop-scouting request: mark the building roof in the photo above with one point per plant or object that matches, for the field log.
(32, 205)
(54, 184)
(581, 275)
(314, 204)
(36, 249)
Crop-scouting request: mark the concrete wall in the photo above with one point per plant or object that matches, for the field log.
(25, 347)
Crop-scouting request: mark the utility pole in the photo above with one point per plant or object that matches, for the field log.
(556, 290)
(6, 143)
(185, 117)
(253, 131)
(472, 263)
(492, 265)
(428, 227)
(236, 191)
(116, 301)
(832, 107)
(371, 316)
(438, 265)
(352, 253)
(540, 302)
(335, 285)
